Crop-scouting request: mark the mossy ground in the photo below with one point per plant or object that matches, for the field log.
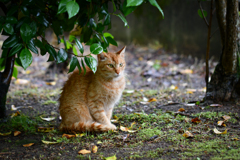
(159, 127)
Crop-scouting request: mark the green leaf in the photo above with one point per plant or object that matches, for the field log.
(24, 10)
(69, 45)
(74, 50)
(200, 13)
(18, 62)
(39, 44)
(91, 63)
(26, 32)
(51, 51)
(2, 63)
(15, 72)
(154, 3)
(134, 2)
(11, 20)
(32, 47)
(10, 42)
(62, 6)
(33, 26)
(106, 34)
(105, 41)
(79, 44)
(8, 28)
(12, 10)
(83, 65)
(98, 38)
(73, 63)
(4, 53)
(25, 58)
(72, 8)
(127, 10)
(42, 20)
(92, 23)
(71, 38)
(96, 48)
(112, 41)
(57, 28)
(123, 19)
(62, 56)
(107, 20)
(114, 6)
(16, 48)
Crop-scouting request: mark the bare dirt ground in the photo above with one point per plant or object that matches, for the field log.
(160, 115)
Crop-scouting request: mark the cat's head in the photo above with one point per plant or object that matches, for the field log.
(112, 65)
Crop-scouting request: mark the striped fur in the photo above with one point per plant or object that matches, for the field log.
(87, 101)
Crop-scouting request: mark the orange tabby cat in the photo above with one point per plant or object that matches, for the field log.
(87, 101)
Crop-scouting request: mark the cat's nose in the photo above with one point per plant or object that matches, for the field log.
(117, 71)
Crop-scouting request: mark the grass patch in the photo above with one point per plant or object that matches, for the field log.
(20, 123)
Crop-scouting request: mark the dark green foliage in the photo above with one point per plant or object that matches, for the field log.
(25, 21)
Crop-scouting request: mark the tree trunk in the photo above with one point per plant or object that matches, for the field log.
(5, 79)
(225, 83)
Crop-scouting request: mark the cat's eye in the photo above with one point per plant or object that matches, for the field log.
(110, 65)
(120, 64)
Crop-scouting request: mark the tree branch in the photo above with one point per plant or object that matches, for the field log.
(199, 2)
(208, 44)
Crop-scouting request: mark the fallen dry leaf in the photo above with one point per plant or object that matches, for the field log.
(50, 82)
(186, 71)
(226, 117)
(84, 151)
(172, 87)
(187, 120)
(196, 120)
(45, 129)
(5, 134)
(188, 134)
(16, 133)
(21, 81)
(111, 158)
(220, 123)
(132, 125)
(13, 108)
(48, 119)
(218, 132)
(189, 92)
(99, 142)
(114, 121)
(94, 149)
(68, 136)
(127, 129)
(80, 135)
(28, 145)
(181, 110)
(49, 142)
(15, 114)
(152, 100)
(216, 105)
(235, 139)
(129, 91)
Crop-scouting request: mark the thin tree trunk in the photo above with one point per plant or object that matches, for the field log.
(225, 82)
(221, 17)
(5, 76)
(229, 58)
(5, 80)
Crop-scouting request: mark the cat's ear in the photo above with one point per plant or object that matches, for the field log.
(102, 56)
(122, 51)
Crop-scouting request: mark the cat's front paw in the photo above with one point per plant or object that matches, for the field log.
(112, 127)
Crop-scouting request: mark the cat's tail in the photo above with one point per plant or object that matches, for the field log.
(88, 126)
